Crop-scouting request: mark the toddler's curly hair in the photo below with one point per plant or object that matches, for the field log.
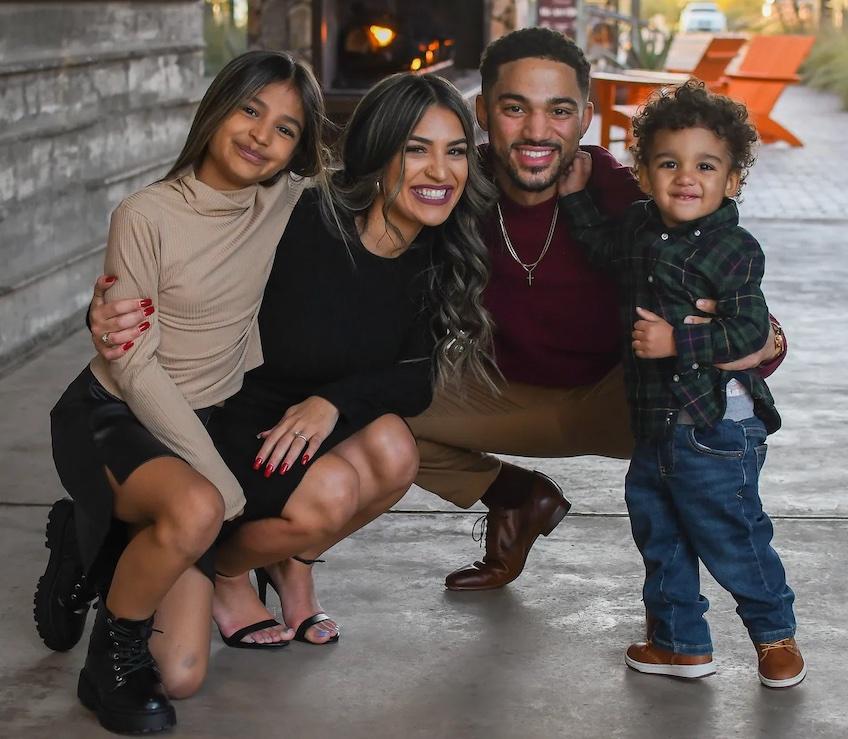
(689, 106)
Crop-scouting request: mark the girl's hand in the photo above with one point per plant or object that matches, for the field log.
(299, 433)
(653, 336)
(116, 325)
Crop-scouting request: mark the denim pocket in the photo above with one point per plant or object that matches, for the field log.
(761, 451)
(723, 441)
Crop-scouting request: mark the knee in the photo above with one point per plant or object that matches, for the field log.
(193, 519)
(338, 499)
(183, 680)
(393, 452)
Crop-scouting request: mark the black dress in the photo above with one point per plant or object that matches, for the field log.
(336, 321)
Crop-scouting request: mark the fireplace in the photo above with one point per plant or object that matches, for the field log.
(356, 44)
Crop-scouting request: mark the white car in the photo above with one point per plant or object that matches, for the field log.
(702, 17)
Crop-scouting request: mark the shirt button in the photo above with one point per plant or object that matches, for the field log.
(664, 237)
(650, 278)
(697, 232)
(676, 378)
(695, 365)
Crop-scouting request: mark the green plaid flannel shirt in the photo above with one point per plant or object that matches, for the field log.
(666, 270)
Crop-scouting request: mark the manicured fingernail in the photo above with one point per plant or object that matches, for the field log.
(304, 459)
(269, 469)
(149, 310)
(257, 463)
(145, 303)
(110, 279)
(699, 303)
(128, 345)
(144, 326)
(688, 319)
(283, 467)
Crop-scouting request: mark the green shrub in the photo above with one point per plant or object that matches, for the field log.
(827, 66)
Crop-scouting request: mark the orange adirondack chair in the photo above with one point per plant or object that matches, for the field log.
(710, 60)
(715, 56)
(769, 65)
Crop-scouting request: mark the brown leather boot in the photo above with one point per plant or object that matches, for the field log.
(511, 532)
(781, 664)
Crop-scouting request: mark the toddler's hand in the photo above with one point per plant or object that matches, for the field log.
(574, 178)
(653, 336)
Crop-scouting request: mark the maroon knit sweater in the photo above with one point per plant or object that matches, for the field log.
(563, 331)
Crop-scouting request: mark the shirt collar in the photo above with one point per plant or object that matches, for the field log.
(727, 216)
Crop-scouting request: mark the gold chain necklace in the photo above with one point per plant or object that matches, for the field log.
(528, 268)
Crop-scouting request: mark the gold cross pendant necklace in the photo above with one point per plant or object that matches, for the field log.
(528, 268)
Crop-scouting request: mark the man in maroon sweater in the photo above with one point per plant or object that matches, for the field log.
(557, 340)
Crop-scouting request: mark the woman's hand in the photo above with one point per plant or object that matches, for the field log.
(116, 325)
(767, 353)
(298, 434)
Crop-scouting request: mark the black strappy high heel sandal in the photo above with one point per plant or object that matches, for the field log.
(234, 640)
(316, 618)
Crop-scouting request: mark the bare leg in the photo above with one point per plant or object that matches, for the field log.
(182, 649)
(385, 457)
(235, 605)
(178, 514)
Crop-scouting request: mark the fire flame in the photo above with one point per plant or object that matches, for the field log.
(416, 64)
(382, 35)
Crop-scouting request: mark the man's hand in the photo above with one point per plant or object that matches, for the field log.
(574, 178)
(767, 353)
(653, 336)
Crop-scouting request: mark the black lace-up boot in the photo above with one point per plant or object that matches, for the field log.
(63, 596)
(120, 681)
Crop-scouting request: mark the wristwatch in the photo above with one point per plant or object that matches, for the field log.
(779, 340)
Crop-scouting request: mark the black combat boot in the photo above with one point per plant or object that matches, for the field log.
(120, 681)
(63, 596)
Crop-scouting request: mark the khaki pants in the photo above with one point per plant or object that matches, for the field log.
(524, 420)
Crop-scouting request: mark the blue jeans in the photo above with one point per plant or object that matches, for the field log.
(694, 496)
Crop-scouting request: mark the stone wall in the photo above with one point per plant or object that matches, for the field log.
(95, 102)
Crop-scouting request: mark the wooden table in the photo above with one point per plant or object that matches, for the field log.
(638, 84)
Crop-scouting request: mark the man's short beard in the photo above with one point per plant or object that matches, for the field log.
(515, 176)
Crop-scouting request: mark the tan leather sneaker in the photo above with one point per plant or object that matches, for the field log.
(781, 664)
(654, 660)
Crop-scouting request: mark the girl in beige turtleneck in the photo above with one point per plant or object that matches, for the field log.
(129, 436)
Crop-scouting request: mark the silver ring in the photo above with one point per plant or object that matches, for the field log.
(297, 434)
(105, 339)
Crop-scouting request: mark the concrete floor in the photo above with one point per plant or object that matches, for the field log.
(542, 657)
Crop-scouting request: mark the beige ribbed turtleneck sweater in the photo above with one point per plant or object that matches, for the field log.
(203, 256)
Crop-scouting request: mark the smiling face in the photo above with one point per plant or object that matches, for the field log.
(688, 174)
(428, 174)
(535, 114)
(256, 140)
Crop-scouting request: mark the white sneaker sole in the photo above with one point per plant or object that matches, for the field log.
(685, 671)
(787, 682)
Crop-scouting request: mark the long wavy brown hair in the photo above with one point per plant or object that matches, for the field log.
(379, 128)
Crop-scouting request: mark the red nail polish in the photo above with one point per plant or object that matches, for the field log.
(283, 467)
(257, 463)
(149, 310)
(145, 303)
(144, 326)
(269, 470)
(128, 345)
(110, 279)
(305, 459)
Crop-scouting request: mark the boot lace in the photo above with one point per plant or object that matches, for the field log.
(787, 643)
(478, 530)
(130, 651)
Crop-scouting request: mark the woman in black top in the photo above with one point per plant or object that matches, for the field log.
(374, 295)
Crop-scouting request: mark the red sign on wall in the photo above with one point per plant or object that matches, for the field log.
(560, 15)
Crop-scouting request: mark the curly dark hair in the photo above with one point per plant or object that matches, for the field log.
(533, 43)
(689, 106)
